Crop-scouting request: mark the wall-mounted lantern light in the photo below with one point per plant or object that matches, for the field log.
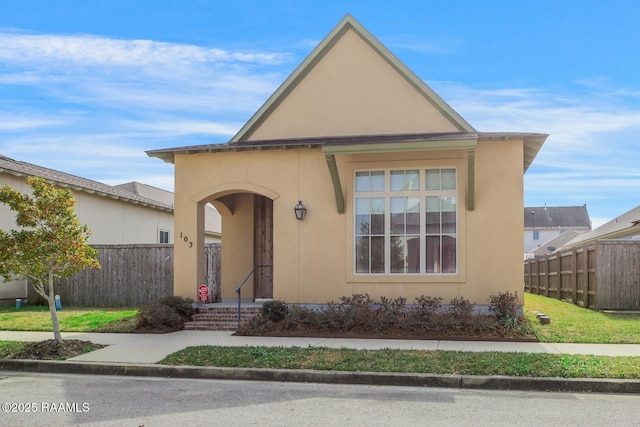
(300, 211)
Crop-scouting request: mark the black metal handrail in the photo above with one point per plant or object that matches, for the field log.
(239, 288)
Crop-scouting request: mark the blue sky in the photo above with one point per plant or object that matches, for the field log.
(86, 86)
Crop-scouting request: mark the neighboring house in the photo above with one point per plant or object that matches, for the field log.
(130, 214)
(403, 196)
(544, 223)
(551, 246)
(624, 227)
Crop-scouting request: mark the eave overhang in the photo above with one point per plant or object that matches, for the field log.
(375, 144)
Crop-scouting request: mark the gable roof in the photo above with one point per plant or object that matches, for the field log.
(626, 224)
(556, 217)
(348, 23)
(466, 137)
(24, 169)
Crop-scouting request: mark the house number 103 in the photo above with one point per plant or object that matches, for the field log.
(186, 239)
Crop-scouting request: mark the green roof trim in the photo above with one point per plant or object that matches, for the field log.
(335, 180)
(347, 23)
(400, 147)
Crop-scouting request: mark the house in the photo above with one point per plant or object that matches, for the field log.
(543, 223)
(403, 197)
(624, 227)
(552, 245)
(132, 213)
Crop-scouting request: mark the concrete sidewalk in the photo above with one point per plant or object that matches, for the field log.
(151, 348)
(137, 355)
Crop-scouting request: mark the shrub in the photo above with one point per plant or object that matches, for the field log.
(461, 307)
(429, 304)
(504, 305)
(158, 316)
(182, 306)
(275, 311)
(357, 300)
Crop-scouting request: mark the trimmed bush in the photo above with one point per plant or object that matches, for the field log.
(461, 307)
(504, 305)
(182, 306)
(275, 311)
(359, 314)
(158, 316)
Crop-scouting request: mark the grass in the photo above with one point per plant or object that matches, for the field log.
(573, 324)
(37, 318)
(9, 348)
(410, 361)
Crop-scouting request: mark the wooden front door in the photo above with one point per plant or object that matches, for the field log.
(263, 247)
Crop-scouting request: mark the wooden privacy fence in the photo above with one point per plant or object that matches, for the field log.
(604, 275)
(131, 276)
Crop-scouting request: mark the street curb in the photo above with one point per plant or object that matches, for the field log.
(579, 385)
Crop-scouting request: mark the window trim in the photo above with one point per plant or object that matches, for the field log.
(160, 231)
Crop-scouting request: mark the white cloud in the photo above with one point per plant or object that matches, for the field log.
(25, 122)
(87, 50)
(95, 71)
(185, 127)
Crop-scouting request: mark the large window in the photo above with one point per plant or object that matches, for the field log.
(406, 221)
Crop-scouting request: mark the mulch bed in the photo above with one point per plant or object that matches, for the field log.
(54, 350)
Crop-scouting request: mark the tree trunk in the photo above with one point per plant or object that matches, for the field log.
(52, 309)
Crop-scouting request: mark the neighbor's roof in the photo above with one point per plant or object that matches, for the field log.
(148, 192)
(556, 216)
(624, 225)
(532, 142)
(24, 169)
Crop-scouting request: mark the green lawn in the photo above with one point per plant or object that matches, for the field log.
(573, 324)
(72, 319)
(410, 361)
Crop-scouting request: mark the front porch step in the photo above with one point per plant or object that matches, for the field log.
(220, 318)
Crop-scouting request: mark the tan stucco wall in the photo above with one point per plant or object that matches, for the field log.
(313, 258)
(352, 91)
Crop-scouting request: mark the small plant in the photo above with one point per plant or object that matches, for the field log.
(275, 311)
(158, 316)
(429, 304)
(461, 307)
(182, 306)
(504, 305)
(357, 300)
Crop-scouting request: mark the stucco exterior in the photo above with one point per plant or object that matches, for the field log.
(351, 107)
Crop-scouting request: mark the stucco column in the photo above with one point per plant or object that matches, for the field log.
(188, 267)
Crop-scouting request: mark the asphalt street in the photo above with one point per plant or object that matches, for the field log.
(62, 400)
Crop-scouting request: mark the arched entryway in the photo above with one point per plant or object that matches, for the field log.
(247, 239)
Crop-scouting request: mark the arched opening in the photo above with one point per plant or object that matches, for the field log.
(247, 240)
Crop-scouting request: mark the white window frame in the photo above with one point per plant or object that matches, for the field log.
(422, 193)
(160, 231)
